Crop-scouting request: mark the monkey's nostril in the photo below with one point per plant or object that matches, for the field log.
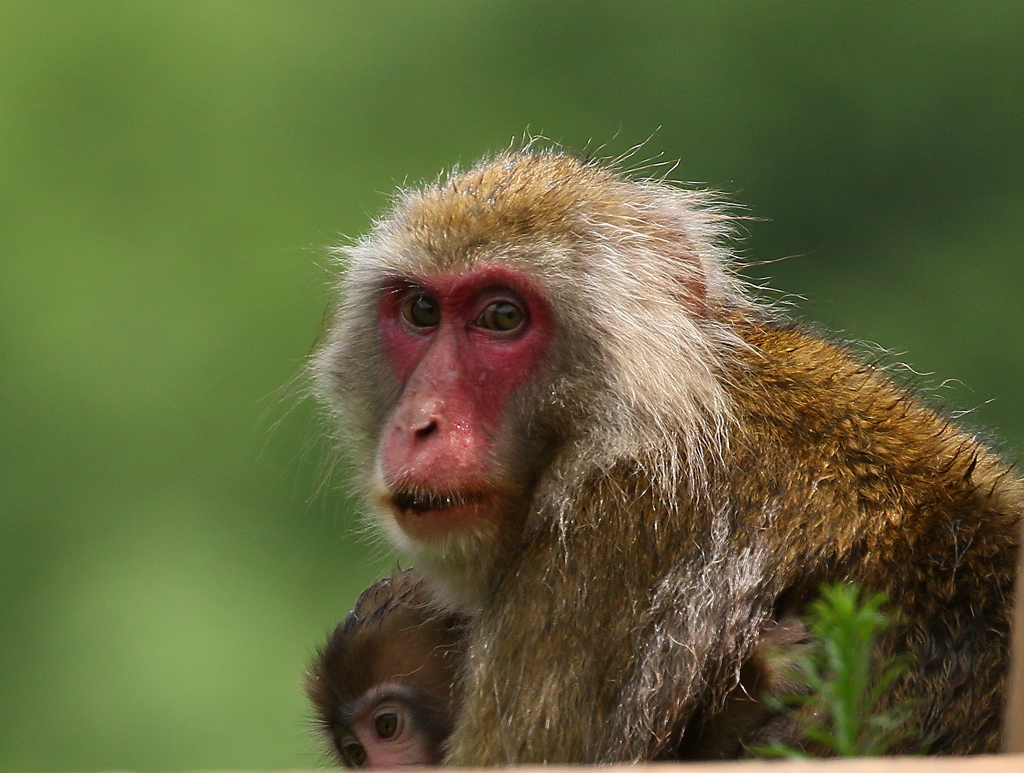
(426, 430)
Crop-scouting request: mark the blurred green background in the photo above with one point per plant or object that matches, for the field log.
(172, 546)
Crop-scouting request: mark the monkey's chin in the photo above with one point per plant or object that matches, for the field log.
(433, 518)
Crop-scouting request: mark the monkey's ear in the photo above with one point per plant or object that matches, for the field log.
(668, 260)
(679, 272)
(693, 288)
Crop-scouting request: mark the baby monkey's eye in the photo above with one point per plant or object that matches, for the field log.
(354, 754)
(501, 316)
(387, 725)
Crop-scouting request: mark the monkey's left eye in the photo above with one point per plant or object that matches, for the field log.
(386, 725)
(421, 311)
(354, 754)
(501, 316)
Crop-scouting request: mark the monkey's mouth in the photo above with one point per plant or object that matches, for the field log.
(418, 503)
(429, 516)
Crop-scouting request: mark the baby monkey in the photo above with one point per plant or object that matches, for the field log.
(384, 687)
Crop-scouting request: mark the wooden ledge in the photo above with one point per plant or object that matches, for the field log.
(988, 763)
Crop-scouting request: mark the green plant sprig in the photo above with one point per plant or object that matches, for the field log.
(840, 683)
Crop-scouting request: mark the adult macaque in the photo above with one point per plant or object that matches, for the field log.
(566, 408)
(384, 686)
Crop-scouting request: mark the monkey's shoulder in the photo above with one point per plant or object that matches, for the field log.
(796, 378)
(790, 356)
(823, 421)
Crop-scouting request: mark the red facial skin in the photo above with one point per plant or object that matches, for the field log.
(457, 377)
(402, 744)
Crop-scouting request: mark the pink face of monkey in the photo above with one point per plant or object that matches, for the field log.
(460, 345)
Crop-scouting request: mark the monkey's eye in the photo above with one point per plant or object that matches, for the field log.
(421, 311)
(501, 316)
(386, 725)
(353, 754)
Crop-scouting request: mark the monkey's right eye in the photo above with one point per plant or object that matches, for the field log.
(354, 754)
(421, 311)
(387, 725)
